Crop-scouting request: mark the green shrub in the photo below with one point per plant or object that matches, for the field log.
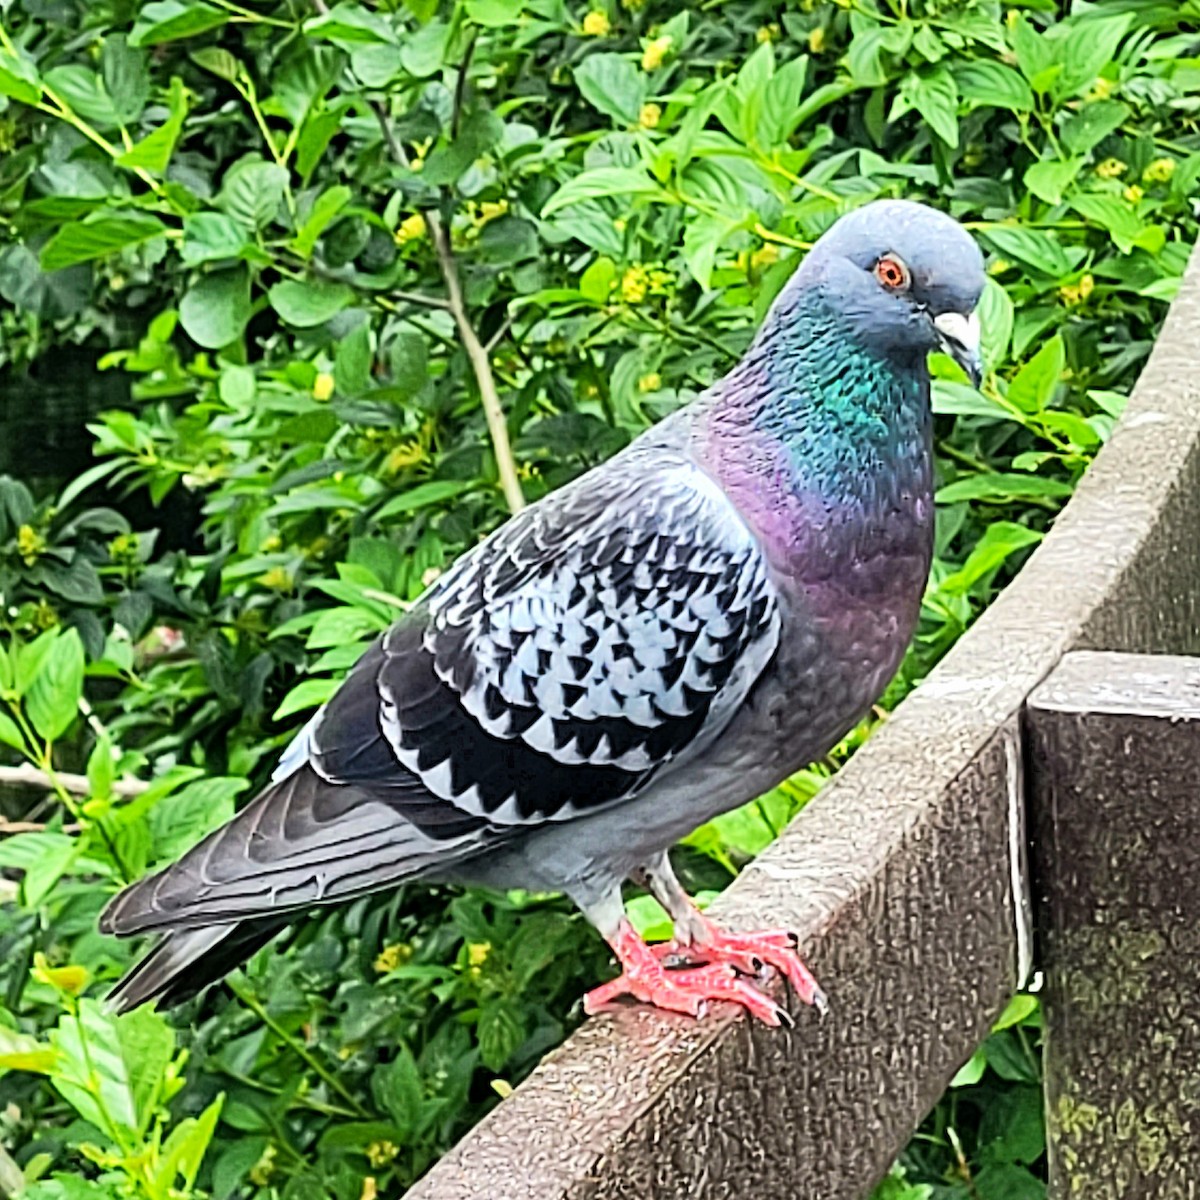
(373, 275)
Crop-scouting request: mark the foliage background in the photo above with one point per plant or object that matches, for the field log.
(358, 280)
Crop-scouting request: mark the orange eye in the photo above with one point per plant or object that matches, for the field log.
(892, 273)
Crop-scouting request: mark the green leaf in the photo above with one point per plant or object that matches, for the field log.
(253, 191)
(126, 79)
(216, 308)
(1124, 226)
(612, 84)
(602, 183)
(597, 281)
(20, 1052)
(398, 1090)
(959, 400)
(91, 1073)
(183, 1151)
(934, 94)
(996, 316)
(210, 236)
(982, 82)
(53, 698)
(350, 24)
(1000, 540)
(1087, 47)
(1050, 178)
(308, 693)
(217, 60)
(1005, 1181)
(500, 1032)
(1034, 248)
(495, 14)
(170, 20)
(325, 208)
(1015, 1011)
(1084, 130)
(101, 769)
(154, 151)
(436, 491)
(10, 734)
(147, 1047)
(97, 237)
(971, 1072)
(1035, 384)
(307, 304)
(84, 91)
(1002, 487)
(19, 79)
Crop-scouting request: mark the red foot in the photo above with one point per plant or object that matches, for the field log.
(686, 991)
(750, 953)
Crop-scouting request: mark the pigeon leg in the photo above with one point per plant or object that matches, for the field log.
(699, 940)
(688, 991)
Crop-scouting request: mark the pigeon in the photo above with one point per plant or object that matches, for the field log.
(659, 641)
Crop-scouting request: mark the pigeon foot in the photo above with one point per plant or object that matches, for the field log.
(749, 953)
(686, 991)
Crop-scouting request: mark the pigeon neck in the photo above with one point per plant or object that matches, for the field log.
(836, 407)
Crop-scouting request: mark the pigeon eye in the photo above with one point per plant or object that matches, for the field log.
(892, 273)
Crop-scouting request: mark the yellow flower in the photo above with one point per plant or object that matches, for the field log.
(262, 1170)
(30, 544)
(1159, 171)
(650, 383)
(388, 959)
(381, 1153)
(369, 1189)
(407, 454)
(1133, 193)
(1086, 286)
(999, 266)
(1069, 295)
(71, 980)
(502, 1088)
(1101, 90)
(764, 256)
(766, 33)
(656, 52)
(596, 24)
(816, 40)
(278, 578)
(271, 543)
(634, 285)
(477, 953)
(489, 210)
(650, 116)
(411, 228)
(322, 387)
(1111, 168)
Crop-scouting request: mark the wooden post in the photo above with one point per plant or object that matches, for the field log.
(1114, 756)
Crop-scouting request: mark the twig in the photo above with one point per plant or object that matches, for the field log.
(481, 364)
(78, 785)
(498, 336)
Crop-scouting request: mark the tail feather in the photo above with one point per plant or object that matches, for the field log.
(182, 964)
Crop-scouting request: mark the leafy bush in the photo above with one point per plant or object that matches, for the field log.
(375, 275)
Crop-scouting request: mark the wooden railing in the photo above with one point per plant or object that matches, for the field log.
(909, 882)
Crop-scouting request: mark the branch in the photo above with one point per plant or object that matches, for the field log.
(78, 785)
(476, 353)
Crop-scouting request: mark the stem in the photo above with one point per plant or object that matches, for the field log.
(481, 364)
(28, 775)
(252, 1003)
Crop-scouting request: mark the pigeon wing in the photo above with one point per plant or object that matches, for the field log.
(596, 641)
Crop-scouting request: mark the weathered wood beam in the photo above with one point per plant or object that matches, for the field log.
(1114, 743)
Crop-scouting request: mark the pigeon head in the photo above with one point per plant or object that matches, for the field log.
(904, 279)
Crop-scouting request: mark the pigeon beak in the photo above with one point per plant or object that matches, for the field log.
(959, 335)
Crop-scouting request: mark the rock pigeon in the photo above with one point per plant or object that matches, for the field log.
(665, 638)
